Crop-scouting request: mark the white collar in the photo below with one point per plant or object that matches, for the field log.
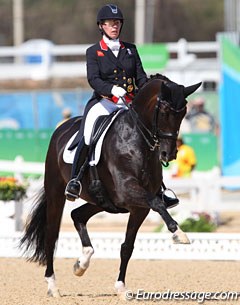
(113, 44)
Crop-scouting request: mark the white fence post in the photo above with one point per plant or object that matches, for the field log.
(18, 215)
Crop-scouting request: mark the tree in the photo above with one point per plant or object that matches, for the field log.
(74, 21)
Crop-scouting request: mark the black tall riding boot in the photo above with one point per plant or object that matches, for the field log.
(74, 186)
(169, 202)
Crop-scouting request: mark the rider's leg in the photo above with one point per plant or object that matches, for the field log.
(169, 202)
(93, 109)
(74, 187)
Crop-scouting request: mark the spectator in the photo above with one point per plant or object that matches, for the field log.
(185, 161)
(199, 119)
(66, 115)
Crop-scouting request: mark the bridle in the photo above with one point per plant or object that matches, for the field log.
(153, 137)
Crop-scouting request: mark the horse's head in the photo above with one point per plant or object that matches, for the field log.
(170, 111)
(162, 106)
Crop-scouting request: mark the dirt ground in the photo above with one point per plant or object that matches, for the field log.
(22, 283)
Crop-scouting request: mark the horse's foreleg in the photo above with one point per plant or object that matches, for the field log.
(179, 237)
(134, 223)
(80, 217)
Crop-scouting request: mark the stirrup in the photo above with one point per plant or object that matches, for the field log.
(69, 195)
(171, 202)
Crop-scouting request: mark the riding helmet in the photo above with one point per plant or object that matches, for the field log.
(109, 11)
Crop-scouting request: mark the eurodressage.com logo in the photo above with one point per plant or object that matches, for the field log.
(199, 297)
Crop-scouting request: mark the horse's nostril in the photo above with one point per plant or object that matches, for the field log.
(164, 154)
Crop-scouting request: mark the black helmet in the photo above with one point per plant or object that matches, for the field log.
(109, 11)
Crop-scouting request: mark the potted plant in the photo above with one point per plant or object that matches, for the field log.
(12, 192)
(12, 189)
(200, 222)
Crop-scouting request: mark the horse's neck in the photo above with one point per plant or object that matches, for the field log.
(146, 100)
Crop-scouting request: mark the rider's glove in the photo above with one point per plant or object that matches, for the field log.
(118, 91)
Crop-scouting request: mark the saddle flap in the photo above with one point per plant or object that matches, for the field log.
(100, 131)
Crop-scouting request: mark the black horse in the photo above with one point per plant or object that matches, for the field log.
(130, 170)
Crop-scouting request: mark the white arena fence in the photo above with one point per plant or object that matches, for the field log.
(186, 66)
(204, 192)
(155, 246)
(203, 188)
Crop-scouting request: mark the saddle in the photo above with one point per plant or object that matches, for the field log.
(99, 127)
(96, 188)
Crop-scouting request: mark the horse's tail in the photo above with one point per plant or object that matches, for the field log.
(33, 240)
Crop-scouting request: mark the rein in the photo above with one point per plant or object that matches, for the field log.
(141, 126)
(155, 135)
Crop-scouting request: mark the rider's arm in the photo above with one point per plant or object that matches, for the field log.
(102, 87)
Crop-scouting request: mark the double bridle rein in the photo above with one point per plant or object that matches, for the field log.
(156, 134)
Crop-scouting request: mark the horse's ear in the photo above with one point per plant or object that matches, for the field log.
(190, 89)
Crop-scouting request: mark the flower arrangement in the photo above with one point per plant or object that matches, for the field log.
(200, 222)
(12, 189)
(196, 222)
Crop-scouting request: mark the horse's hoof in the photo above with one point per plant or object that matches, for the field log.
(54, 293)
(179, 237)
(77, 270)
(121, 290)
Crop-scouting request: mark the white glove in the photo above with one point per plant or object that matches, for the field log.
(118, 91)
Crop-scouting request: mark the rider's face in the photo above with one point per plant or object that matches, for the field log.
(112, 27)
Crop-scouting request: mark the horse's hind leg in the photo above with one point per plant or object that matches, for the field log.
(55, 205)
(134, 222)
(80, 218)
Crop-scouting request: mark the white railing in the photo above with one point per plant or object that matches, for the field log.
(205, 191)
(20, 167)
(204, 246)
(203, 188)
(186, 62)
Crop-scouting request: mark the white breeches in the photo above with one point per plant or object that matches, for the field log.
(103, 107)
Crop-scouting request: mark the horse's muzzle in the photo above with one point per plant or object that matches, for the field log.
(167, 157)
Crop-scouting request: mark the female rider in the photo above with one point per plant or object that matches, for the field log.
(114, 68)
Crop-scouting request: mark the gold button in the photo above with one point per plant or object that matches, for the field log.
(124, 85)
(124, 77)
(116, 78)
(115, 71)
(130, 88)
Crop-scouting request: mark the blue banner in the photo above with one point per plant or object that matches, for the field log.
(39, 109)
(230, 109)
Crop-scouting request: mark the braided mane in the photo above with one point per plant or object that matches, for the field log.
(159, 76)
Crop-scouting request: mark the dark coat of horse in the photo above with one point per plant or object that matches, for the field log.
(130, 169)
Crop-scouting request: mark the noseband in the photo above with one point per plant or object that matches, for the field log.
(158, 133)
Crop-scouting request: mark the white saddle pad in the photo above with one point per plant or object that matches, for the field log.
(68, 155)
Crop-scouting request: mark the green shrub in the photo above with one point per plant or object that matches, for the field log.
(203, 223)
